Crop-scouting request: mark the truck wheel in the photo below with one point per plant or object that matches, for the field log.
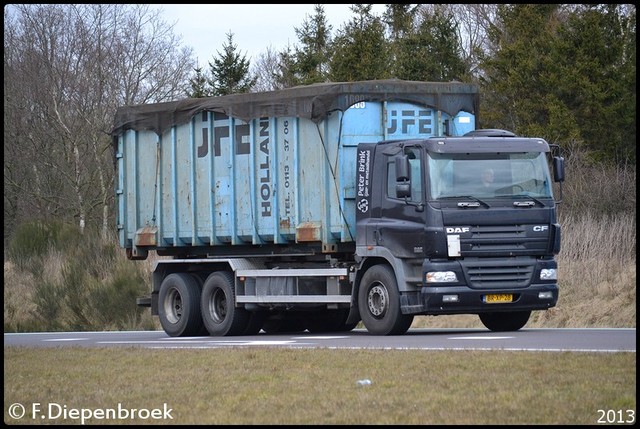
(179, 305)
(200, 278)
(220, 315)
(506, 321)
(347, 327)
(379, 302)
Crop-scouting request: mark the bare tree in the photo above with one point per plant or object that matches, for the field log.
(266, 70)
(67, 68)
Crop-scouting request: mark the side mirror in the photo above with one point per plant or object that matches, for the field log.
(403, 176)
(558, 169)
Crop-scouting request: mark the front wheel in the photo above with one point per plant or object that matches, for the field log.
(379, 302)
(505, 321)
(220, 315)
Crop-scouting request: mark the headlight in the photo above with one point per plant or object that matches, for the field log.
(548, 274)
(441, 277)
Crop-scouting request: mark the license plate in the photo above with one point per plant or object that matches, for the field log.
(498, 298)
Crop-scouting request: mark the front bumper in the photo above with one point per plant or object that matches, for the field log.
(479, 277)
(430, 300)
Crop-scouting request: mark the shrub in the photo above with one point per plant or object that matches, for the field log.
(73, 281)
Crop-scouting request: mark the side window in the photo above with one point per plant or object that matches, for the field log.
(413, 153)
(391, 177)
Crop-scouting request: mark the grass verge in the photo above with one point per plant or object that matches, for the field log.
(319, 386)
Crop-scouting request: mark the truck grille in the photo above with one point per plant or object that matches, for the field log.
(511, 240)
(499, 274)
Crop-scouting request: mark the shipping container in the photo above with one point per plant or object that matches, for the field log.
(267, 168)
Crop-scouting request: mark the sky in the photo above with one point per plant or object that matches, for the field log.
(255, 27)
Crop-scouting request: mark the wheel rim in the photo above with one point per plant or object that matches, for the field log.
(377, 300)
(218, 306)
(173, 306)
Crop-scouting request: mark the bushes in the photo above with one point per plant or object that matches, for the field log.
(597, 190)
(59, 279)
(34, 239)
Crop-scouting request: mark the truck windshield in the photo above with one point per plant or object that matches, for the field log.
(489, 175)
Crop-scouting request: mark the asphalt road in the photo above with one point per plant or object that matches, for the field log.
(554, 340)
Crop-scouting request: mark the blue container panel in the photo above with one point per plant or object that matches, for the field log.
(135, 180)
(221, 192)
(183, 193)
(242, 217)
(463, 123)
(286, 179)
(220, 180)
(311, 172)
(256, 204)
(202, 189)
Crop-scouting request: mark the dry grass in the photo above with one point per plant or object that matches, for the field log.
(597, 265)
(319, 386)
(19, 307)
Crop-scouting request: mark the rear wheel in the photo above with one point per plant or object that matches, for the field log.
(179, 305)
(505, 321)
(220, 315)
(200, 278)
(379, 302)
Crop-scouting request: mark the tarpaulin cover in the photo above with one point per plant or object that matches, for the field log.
(313, 102)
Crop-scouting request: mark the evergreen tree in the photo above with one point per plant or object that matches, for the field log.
(198, 84)
(230, 71)
(431, 52)
(287, 75)
(517, 92)
(312, 58)
(360, 50)
(567, 75)
(399, 19)
(595, 78)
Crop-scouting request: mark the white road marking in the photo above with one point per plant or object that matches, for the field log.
(213, 342)
(68, 339)
(327, 337)
(479, 338)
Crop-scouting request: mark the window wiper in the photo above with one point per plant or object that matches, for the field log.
(462, 204)
(522, 196)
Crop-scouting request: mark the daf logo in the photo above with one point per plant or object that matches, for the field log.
(457, 229)
(540, 228)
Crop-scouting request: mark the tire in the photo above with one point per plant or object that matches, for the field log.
(179, 305)
(505, 321)
(220, 315)
(200, 278)
(348, 327)
(379, 303)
